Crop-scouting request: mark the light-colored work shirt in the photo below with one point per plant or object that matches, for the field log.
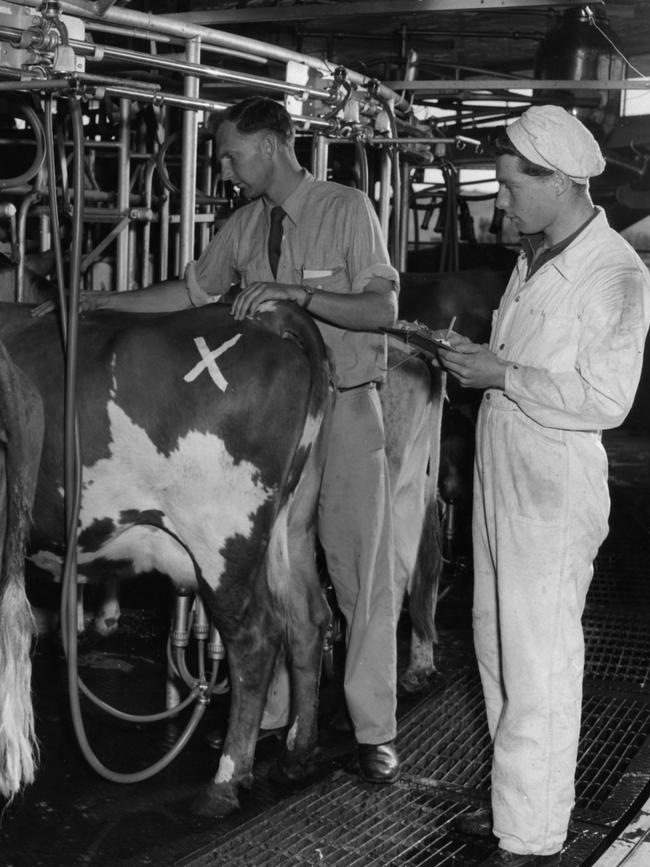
(332, 241)
(575, 331)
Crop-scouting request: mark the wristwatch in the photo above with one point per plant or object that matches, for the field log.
(309, 294)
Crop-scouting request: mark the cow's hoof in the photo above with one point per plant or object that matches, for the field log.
(414, 682)
(294, 773)
(105, 626)
(217, 800)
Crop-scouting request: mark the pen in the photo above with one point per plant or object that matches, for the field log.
(451, 326)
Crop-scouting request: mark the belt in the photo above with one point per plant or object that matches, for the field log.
(353, 387)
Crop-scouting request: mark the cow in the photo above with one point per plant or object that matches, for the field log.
(412, 405)
(465, 299)
(36, 287)
(21, 436)
(202, 447)
(429, 423)
(430, 458)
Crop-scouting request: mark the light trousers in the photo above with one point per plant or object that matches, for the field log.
(356, 532)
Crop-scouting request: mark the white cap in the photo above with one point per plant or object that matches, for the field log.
(549, 136)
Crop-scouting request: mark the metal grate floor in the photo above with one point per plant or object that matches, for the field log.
(446, 750)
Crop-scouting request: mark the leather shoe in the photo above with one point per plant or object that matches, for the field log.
(475, 823)
(378, 763)
(502, 858)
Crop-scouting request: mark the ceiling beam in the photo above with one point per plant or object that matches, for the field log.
(311, 11)
(436, 86)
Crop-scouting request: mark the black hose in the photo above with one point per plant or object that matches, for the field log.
(201, 197)
(55, 229)
(72, 460)
(362, 158)
(39, 135)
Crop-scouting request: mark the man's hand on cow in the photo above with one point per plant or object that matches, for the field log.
(472, 364)
(249, 299)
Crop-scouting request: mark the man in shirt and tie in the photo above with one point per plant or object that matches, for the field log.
(320, 245)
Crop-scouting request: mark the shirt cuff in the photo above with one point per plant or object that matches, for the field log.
(513, 377)
(378, 270)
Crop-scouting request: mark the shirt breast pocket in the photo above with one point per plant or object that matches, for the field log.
(553, 339)
(333, 279)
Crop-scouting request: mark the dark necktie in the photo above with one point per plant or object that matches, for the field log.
(275, 238)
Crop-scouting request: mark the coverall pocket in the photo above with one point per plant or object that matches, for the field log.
(536, 472)
(556, 336)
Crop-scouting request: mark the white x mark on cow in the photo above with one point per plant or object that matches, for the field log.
(208, 361)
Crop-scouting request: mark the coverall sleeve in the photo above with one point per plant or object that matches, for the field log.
(598, 393)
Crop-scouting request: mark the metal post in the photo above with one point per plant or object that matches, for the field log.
(319, 157)
(206, 186)
(122, 283)
(188, 171)
(384, 192)
(405, 216)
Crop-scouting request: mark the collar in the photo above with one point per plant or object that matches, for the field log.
(536, 255)
(293, 204)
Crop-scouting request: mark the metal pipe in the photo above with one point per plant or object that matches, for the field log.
(172, 27)
(170, 99)
(20, 233)
(320, 153)
(384, 192)
(163, 221)
(187, 104)
(136, 33)
(404, 199)
(437, 86)
(146, 277)
(98, 53)
(123, 189)
(380, 140)
(189, 160)
(33, 84)
(206, 187)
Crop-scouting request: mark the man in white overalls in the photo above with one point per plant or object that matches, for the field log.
(563, 363)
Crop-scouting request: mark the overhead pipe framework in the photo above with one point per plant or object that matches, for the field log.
(169, 26)
(334, 102)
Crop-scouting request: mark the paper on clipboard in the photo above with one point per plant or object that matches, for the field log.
(418, 336)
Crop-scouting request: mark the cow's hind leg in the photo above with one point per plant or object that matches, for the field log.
(253, 645)
(308, 620)
(21, 433)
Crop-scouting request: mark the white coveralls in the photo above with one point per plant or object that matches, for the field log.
(575, 332)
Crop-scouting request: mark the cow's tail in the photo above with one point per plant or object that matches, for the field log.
(21, 418)
(425, 585)
(305, 470)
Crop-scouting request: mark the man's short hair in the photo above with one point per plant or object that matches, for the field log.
(502, 146)
(255, 114)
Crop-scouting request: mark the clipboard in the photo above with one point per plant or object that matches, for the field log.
(419, 337)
